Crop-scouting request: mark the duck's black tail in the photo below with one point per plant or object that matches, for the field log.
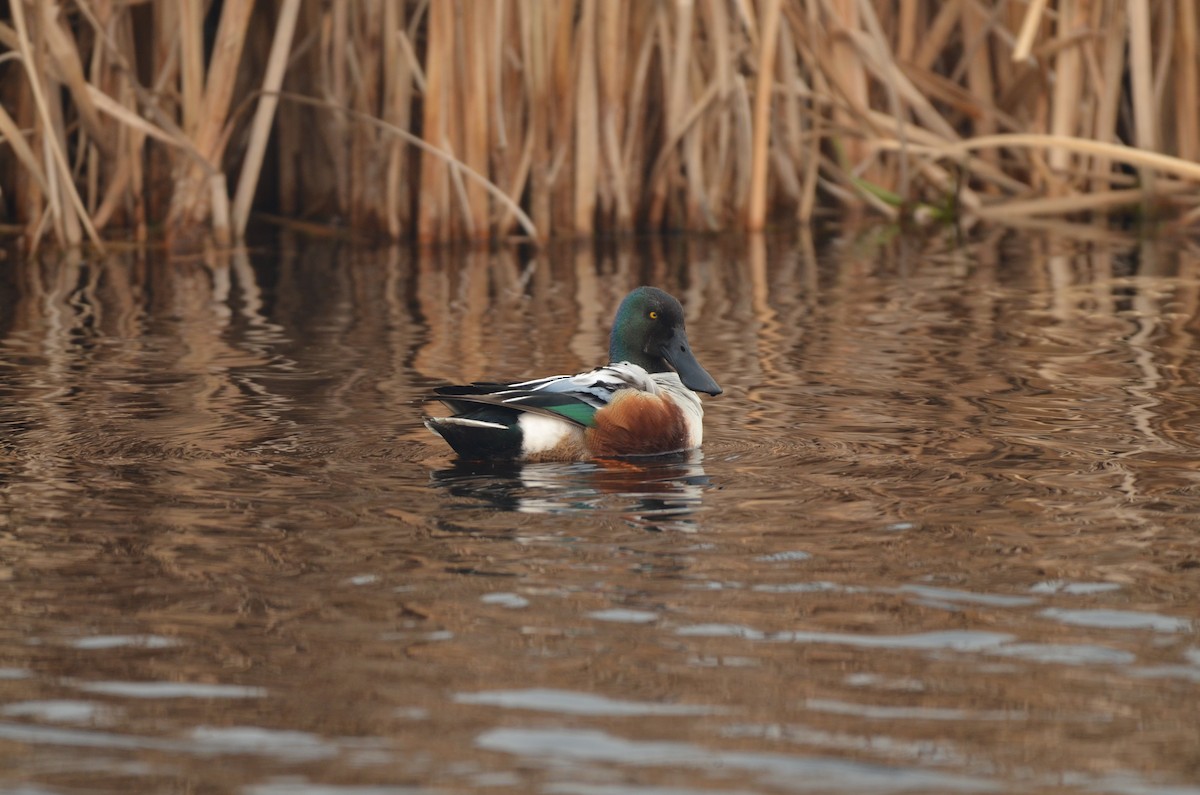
(480, 434)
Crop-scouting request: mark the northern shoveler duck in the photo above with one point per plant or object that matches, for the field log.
(643, 402)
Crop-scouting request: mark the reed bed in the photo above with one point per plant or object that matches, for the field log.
(443, 120)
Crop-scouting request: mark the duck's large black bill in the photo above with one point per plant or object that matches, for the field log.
(678, 354)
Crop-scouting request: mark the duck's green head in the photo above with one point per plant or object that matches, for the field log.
(648, 331)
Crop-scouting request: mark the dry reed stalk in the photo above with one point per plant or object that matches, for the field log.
(1165, 55)
(789, 150)
(808, 43)
(849, 75)
(190, 19)
(260, 128)
(129, 117)
(756, 208)
(110, 136)
(1142, 80)
(442, 155)
(530, 28)
(1134, 156)
(513, 152)
(658, 181)
(434, 205)
(611, 54)
(292, 120)
(587, 123)
(639, 118)
(983, 170)
(718, 142)
(13, 137)
(60, 51)
(908, 26)
(938, 35)
(475, 33)
(1187, 81)
(699, 91)
(400, 62)
(191, 200)
(1068, 205)
(66, 208)
(345, 139)
(1105, 125)
(357, 91)
(1067, 88)
(1029, 29)
(591, 114)
(981, 84)
(681, 111)
(874, 43)
(562, 153)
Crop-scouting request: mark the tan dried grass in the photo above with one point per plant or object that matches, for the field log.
(440, 120)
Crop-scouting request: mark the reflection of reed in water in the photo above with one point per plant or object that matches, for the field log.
(660, 493)
(550, 311)
(914, 434)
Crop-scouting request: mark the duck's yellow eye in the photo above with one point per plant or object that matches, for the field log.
(653, 315)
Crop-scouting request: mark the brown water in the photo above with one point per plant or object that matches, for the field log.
(943, 535)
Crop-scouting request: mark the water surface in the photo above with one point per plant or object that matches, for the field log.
(942, 535)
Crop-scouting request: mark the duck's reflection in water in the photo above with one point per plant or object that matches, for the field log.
(659, 493)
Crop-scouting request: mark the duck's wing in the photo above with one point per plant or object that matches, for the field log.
(563, 406)
(574, 398)
(600, 383)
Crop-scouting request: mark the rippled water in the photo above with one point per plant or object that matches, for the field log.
(943, 535)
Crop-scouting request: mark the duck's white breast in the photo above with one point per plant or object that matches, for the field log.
(687, 400)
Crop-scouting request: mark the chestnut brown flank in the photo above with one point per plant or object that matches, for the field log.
(636, 423)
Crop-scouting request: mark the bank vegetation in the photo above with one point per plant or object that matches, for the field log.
(440, 120)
